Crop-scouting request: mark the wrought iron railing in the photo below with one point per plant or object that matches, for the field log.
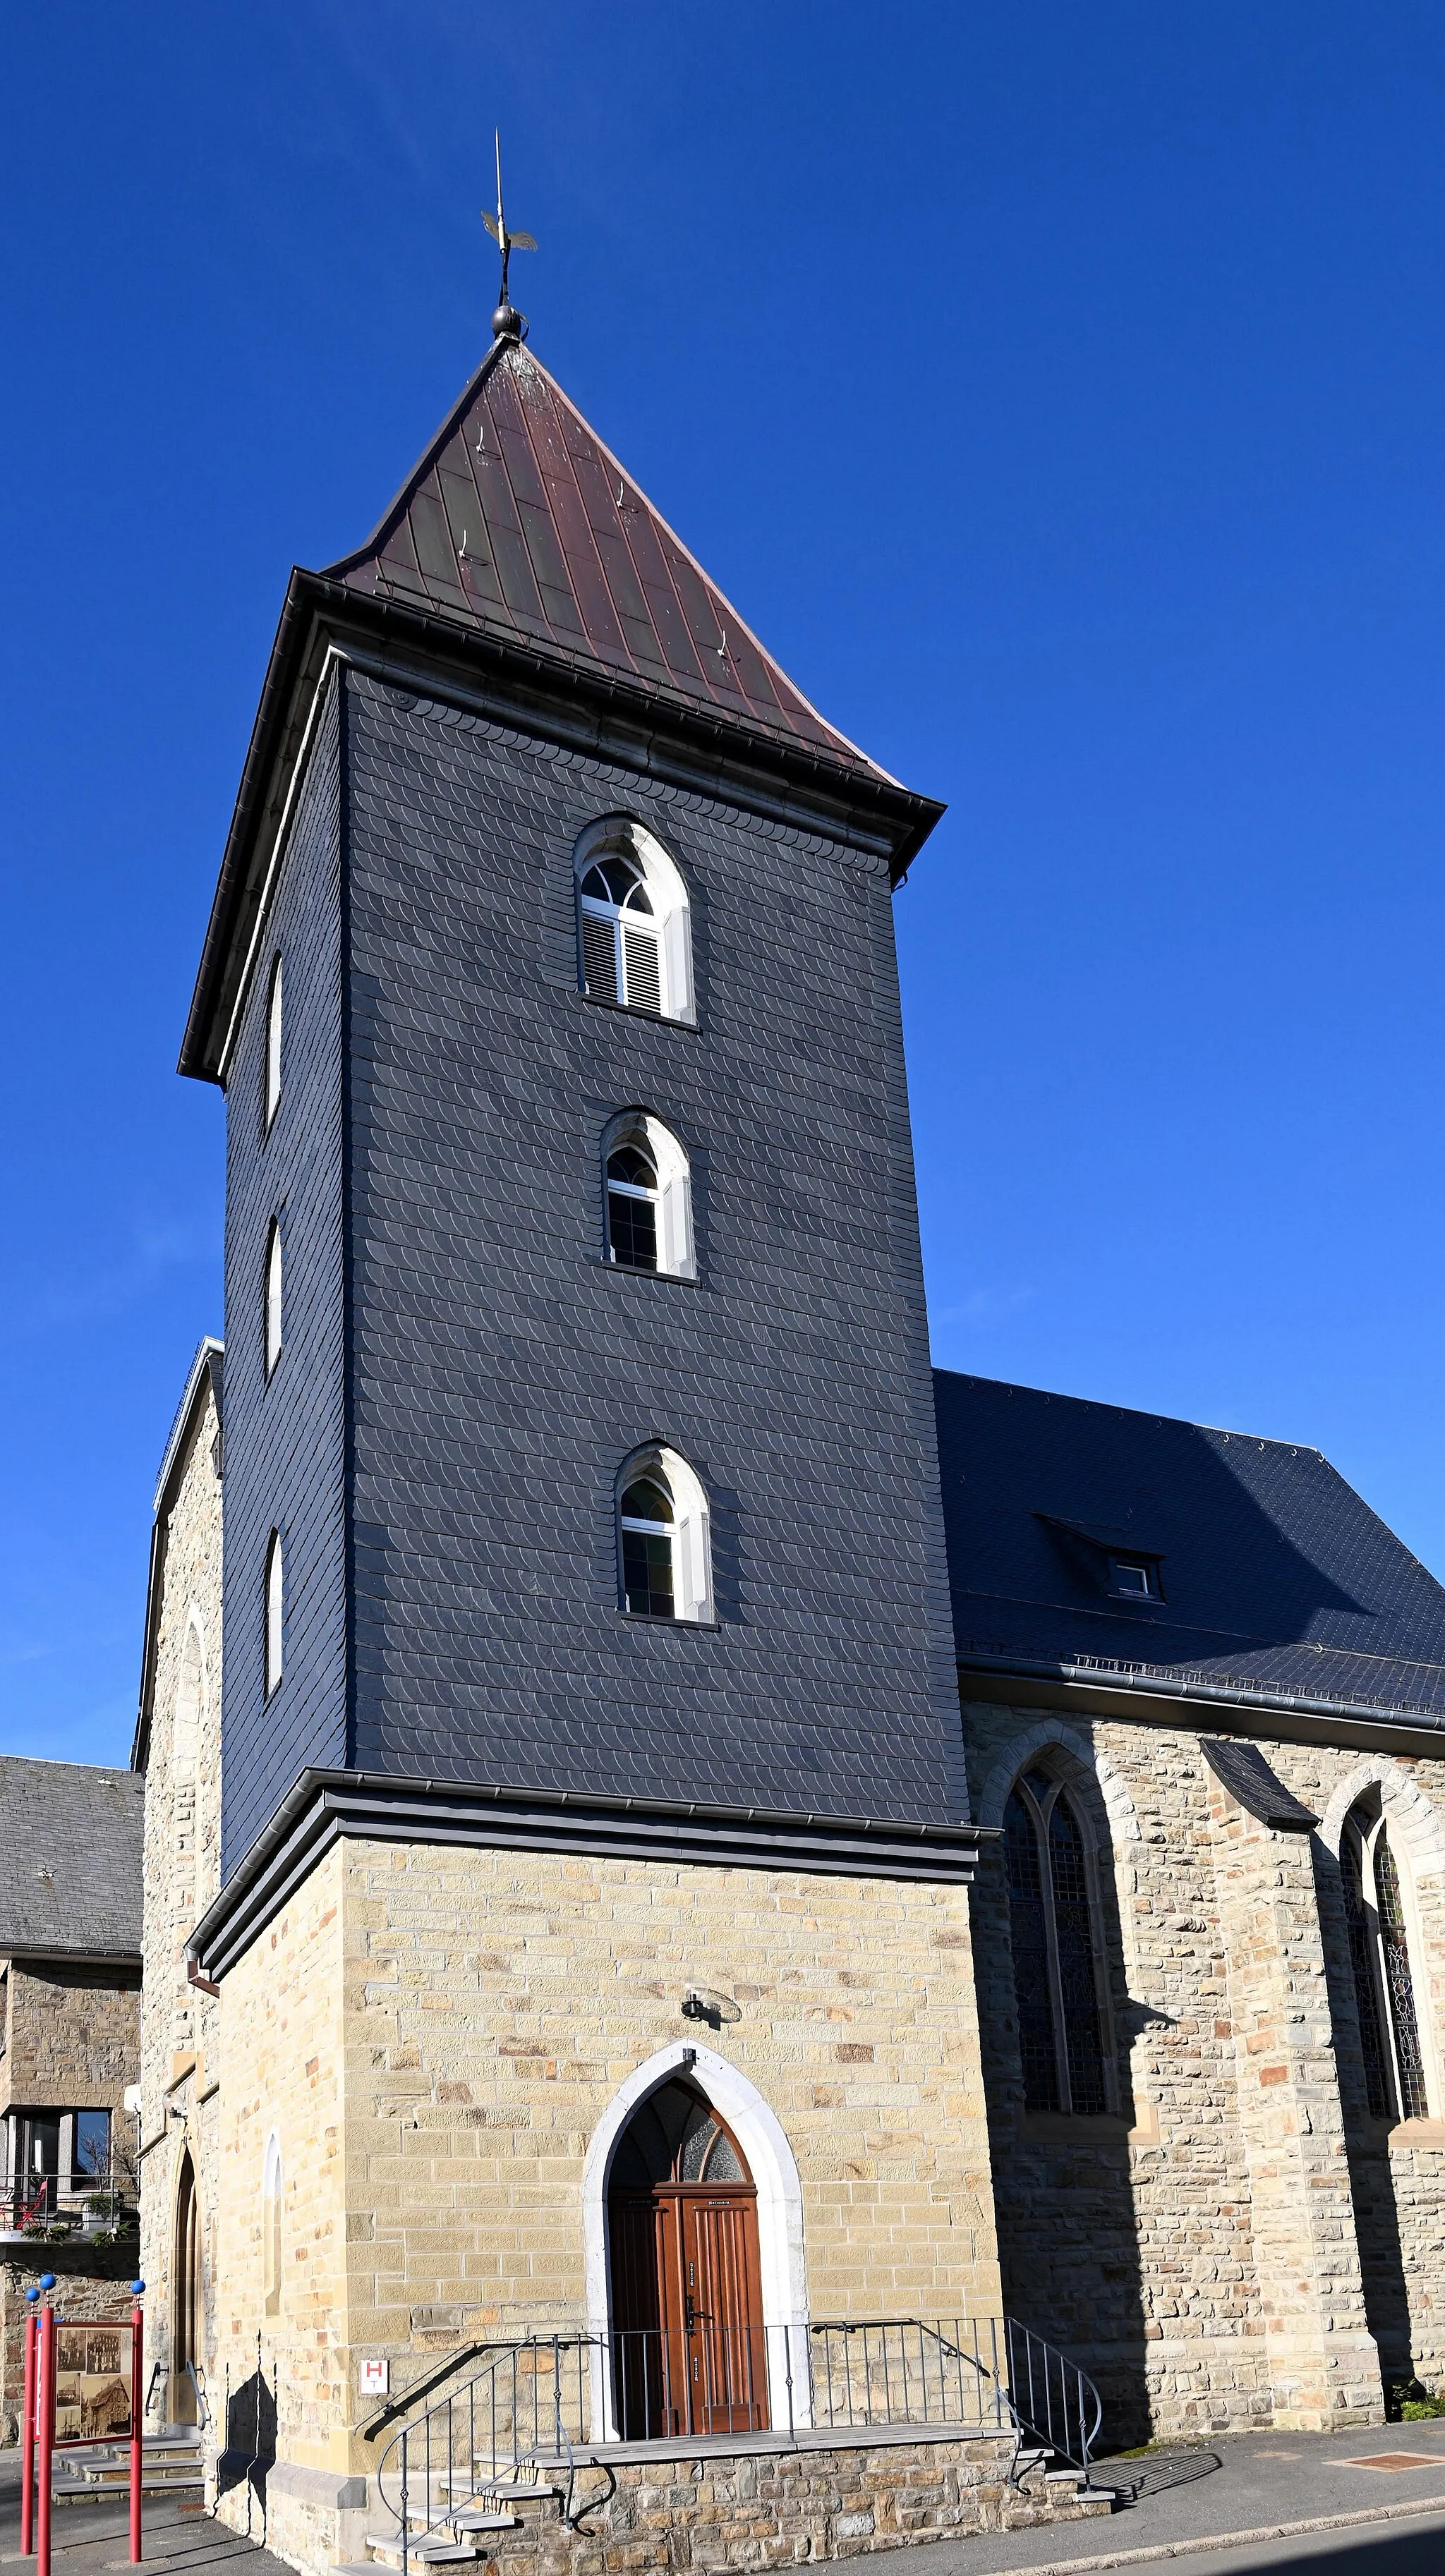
(1052, 2398)
(535, 2404)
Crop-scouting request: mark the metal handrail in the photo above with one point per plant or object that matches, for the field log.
(630, 2384)
(1051, 2397)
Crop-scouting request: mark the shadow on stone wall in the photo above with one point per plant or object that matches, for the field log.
(250, 2448)
(1068, 2238)
(1372, 2180)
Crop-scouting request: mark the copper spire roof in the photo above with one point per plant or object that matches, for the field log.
(519, 524)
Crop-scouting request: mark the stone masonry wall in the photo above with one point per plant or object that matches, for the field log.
(1140, 2243)
(179, 2062)
(434, 2035)
(73, 2037)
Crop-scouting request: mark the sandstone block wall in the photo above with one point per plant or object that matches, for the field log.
(179, 2058)
(1159, 2246)
(434, 2036)
(72, 2037)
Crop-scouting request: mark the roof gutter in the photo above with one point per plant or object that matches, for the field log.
(1110, 1693)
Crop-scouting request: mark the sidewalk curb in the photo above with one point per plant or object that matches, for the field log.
(1230, 2539)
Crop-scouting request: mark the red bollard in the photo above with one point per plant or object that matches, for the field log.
(45, 2407)
(137, 2356)
(27, 2472)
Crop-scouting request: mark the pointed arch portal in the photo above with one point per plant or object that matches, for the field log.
(725, 2197)
(688, 2349)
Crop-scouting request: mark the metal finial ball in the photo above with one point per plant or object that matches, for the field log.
(136, 2288)
(32, 2294)
(47, 2280)
(508, 323)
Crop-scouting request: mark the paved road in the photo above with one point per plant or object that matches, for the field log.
(1243, 2482)
(85, 2538)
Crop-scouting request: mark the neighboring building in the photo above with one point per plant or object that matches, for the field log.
(70, 1962)
(70, 1972)
(559, 1912)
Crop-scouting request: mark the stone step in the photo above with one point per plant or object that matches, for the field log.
(515, 2490)
(386, 2551)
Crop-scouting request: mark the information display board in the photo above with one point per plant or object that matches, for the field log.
(94, 2387)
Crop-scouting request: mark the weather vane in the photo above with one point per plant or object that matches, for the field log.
(507, 323)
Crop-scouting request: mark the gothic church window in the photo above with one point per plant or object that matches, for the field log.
(663, 1546)
(274, 1612)
(632, 913)
(1375, 1919)
(273, 1297)
(273, 1046)
(648, 1195)
(1053, 1934)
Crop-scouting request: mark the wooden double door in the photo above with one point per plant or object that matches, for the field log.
(688, 2348)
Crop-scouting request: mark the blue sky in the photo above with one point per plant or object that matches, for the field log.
(1057, 390)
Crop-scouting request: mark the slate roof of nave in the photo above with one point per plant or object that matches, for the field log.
(1275, 1574)
(518, 522)
(70, 1858)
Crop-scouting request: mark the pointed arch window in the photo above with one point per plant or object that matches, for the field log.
(273, 1297)
(275, 1612)
(273, 1046)
(1375, 1916)
(1057, 1953)
(633, 922)
(664, 1556)
(648, 1191)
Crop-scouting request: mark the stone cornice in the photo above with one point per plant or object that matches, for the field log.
(325, 1807)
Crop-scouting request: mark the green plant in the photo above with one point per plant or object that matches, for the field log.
(101, 2204)
(1410, 2402)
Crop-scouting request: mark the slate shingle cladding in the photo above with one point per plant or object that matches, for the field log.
(501, 1371)
(283, 1442)
(498, 1371)
(1276, 1575)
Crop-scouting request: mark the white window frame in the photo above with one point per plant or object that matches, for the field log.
(690, 1533)
(274, 1299)
(274, 1615)
(669, 923)
(672, 1198)
(272, 1074)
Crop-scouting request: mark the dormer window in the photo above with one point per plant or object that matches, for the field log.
(1135, 1579)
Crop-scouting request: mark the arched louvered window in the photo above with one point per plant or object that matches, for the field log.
(273, 1046)
(664, 1556)
(273, 1296)
(633, 926)
(275, 1612)
(648, 1192)
(1053, 1931)
(1375, 1915)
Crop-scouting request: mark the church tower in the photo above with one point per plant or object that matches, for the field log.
(590, 1725)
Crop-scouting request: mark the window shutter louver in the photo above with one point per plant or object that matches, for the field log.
(644, 984)
(599, 958)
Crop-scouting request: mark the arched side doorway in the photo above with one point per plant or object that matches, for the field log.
(686, 2332)
(185, 2297)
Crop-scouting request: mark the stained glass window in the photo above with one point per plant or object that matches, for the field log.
(1052, 1933)
(1367, 2006)
(1409, 2066)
